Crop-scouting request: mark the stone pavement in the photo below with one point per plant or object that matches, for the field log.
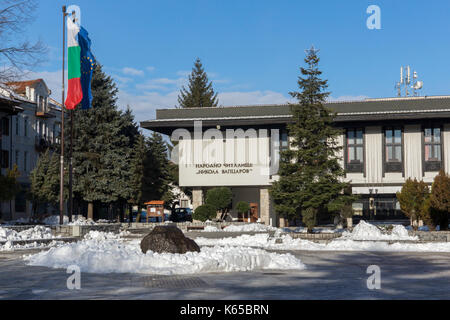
(329, 275)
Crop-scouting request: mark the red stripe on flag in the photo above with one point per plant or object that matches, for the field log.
(74, 94)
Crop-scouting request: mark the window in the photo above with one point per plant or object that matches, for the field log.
(354, 151)
(17, 158)
(284, 140)
(432, 148)
(393, 142)
(17, 125)
(25, 161)
(5, 159)
(5, 126)
(25, 127)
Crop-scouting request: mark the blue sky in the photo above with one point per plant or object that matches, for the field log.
(252, 50)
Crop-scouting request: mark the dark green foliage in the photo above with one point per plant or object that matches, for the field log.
(157, 171)
(219, 199)
(310, 173)
(200, 93)
(309, 218)
(204, 213)
(45, 180)
(104, 138)
(440, 200)
(413, 200)
(243, 207)
(9, 185)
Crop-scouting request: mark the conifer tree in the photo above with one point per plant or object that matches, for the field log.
(157, 180)
(200, 93)
(310, 173)
(440, 200)
(103, 142)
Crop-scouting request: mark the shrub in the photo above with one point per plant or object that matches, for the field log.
(309, 218)
(413, 200)
(243, 207)
(204, 213)
(219, 199)
(440, 200)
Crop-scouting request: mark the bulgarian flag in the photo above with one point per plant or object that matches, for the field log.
(75, 92)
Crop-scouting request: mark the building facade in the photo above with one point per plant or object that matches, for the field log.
(30, 133)
(384, 142)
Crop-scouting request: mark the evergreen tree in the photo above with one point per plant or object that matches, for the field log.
(103, 143)
(9, 186)
(413, 200)
(200, 93)
(45, 181)
(440, 200)
(310, 173)
(157, 178)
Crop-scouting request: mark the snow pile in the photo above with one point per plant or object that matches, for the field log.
(366, 231)
(81, 221)
(211, 229)
(9, 246)
(36, 233)
(76, 221)
(98, 254)
(253, 227)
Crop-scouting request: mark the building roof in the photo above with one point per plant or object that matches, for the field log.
(347, 111)
(20, 86)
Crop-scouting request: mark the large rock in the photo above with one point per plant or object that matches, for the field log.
(168, 239)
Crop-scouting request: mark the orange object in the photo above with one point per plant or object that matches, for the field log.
(155, 209)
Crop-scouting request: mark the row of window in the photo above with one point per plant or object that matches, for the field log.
(393, 152)
(41, 128)
(23, 166)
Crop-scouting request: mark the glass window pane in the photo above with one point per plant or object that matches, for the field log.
(388, 136)
(428, 152)
(351, 154)
(388, 153)
(428, 134)
(437, 153)
(359, 154)
(398, 136)
(350, 137)
(398, 153)
(437, 135)
(359, 137)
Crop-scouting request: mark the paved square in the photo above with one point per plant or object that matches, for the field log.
(329, 275)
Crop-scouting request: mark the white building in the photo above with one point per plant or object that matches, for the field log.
(30, 132)
(385, 142)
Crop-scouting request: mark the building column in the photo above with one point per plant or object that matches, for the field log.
(197, 198)
(264, 203)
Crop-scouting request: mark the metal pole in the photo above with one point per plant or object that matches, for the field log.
(71, 168)
(61, 187)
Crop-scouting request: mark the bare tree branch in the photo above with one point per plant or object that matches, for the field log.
(16, 52)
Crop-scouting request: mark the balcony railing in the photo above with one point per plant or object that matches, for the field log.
(42, 143)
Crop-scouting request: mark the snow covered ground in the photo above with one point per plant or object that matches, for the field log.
(108, 253)
(252, 227)
(36, 233)
(76, 221)
(365, 237)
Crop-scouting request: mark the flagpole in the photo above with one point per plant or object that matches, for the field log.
(61, 186)
(71, 168)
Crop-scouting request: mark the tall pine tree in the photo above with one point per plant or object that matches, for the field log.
(310, 173)
(103, 143)
(200, 93)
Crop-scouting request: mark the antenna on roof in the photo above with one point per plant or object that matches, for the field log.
(405, 82)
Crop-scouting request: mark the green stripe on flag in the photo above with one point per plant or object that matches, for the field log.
(74, 62)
